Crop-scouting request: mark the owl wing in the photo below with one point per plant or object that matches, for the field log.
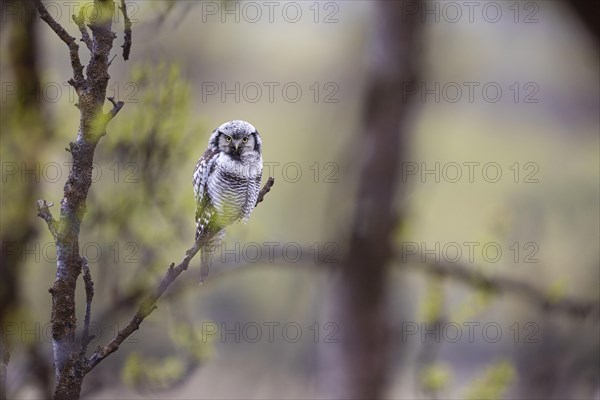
(253, 190)
(204, 168)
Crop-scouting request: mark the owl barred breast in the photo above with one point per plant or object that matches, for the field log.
(226, 183)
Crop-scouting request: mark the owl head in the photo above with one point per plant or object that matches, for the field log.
(236, 138)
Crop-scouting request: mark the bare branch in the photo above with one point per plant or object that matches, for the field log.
(44, 212)
(70, 363)
(575, 308)
(266, 189)
(147, 306)
(127, 31)
(89, 295)
(69, 41)
(69, 369)
(117, 105)
(85, 36)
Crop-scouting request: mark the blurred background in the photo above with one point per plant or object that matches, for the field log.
(495, 174)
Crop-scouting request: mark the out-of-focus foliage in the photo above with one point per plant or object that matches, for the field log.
(98, 12)
(136, 202)
(432, 305)
(473, 305)
(493, 382)
(193, 340)
(435, 378)
(143, 372)
(192, 348)
(557, 291)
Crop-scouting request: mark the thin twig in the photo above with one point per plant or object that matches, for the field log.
(69, 41)
(127, 31)
(117, 105)
(85, 36)
(147, 306)
(44, 212)
(266, 189)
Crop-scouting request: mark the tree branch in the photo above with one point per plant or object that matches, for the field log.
(571, 307)
(127, 31)
(149, 304)
(46, 215)
(266, 189)
(117, 105)
(69, 41)
(92, 94)
(575, 308)
(85, 36)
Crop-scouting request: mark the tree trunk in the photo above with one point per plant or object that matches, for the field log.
(356, 368)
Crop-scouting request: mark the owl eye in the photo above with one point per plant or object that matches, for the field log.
(245, 139)
(228, 138)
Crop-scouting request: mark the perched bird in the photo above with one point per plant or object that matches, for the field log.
(226, 184)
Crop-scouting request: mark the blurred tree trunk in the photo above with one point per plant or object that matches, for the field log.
(589, 14)
(357, 366)
(18, 227)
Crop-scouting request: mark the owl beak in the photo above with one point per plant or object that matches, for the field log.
(236, 146)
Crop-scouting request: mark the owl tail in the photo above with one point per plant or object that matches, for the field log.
(205, 262)
(208, 249)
